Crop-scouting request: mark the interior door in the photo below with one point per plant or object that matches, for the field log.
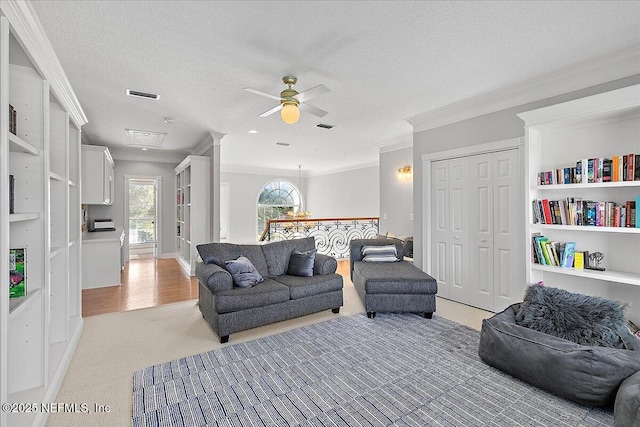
(440, 226)
(508, 216)
(481, 228)
(459, 235)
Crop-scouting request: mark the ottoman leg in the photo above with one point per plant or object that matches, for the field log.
(224, 339)
(371, 314)
(428, 315)
(336, 310)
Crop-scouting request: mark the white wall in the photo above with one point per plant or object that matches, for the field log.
(167, 210)
(396, 195)
(352, 193)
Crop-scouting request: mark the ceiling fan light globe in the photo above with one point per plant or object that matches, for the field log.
(290, 113)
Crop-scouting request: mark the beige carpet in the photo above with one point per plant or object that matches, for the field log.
(113, 346)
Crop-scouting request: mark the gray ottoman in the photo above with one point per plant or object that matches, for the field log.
(397, 287)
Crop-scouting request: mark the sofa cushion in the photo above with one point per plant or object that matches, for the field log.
(263, 294)
(393, 278)
(302, 287)
(219, 253)
(583, 319)
(626, 410)
(301, 263)
(277, 254)
(589, 375)
(243, 272)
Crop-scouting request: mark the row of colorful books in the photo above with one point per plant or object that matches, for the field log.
(575, 211)
(599, 169)
(558, 254)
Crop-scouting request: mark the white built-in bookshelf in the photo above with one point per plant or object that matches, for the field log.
(192, 209)
(39, 331)
(598, 126)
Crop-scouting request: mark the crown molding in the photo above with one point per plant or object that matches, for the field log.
(253, 170)
(212, 138)
(612, 67)
(397, 143)
(27, 28)
(349, 168)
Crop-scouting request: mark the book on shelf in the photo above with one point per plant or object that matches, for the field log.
(552, 253)
(11, 194)
(568, 254)
(595, 170)
(13, 119)
(578, 260)
(575, 211)
(17, 273)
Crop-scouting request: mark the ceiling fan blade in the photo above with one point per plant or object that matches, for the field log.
(257, 92)
(311, 93)
(313, 110)
(271, 111)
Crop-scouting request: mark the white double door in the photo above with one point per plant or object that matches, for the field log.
(476, 238)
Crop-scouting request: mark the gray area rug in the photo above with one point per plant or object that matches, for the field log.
(394, 370)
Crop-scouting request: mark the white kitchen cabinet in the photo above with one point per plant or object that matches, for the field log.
(97, 175)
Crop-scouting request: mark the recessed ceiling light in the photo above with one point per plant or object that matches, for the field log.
(144, 149)
(169, 119)
(253, 131)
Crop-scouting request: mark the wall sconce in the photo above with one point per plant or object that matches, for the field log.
(404, 172)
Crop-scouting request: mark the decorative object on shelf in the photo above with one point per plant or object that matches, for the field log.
(594, 261)
(404, 172)
(17, 273)
(291, 102)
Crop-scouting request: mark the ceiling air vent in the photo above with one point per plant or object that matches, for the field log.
(144, 95)
(283, 144)
(324, 126)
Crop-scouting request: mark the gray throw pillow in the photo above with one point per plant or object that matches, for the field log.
(243, 272)
(301, 263)
(583, 319)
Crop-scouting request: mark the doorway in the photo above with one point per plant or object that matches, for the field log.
(141, 213)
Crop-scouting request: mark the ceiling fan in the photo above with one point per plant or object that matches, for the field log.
(291, 102)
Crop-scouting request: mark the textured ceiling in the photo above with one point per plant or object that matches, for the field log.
(383, 61)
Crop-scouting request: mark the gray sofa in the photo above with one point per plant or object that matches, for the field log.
(397, 287)
(229, 308)
(590, 375)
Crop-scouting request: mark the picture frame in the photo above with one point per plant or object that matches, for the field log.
(17, 273)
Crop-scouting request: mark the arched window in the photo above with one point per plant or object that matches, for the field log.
(276, 199)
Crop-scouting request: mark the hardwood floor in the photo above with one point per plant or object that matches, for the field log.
(149, 283)
(144, 283)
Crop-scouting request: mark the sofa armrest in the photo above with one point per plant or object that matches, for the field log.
(324, 264)
(626, 410)
(214, 277)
